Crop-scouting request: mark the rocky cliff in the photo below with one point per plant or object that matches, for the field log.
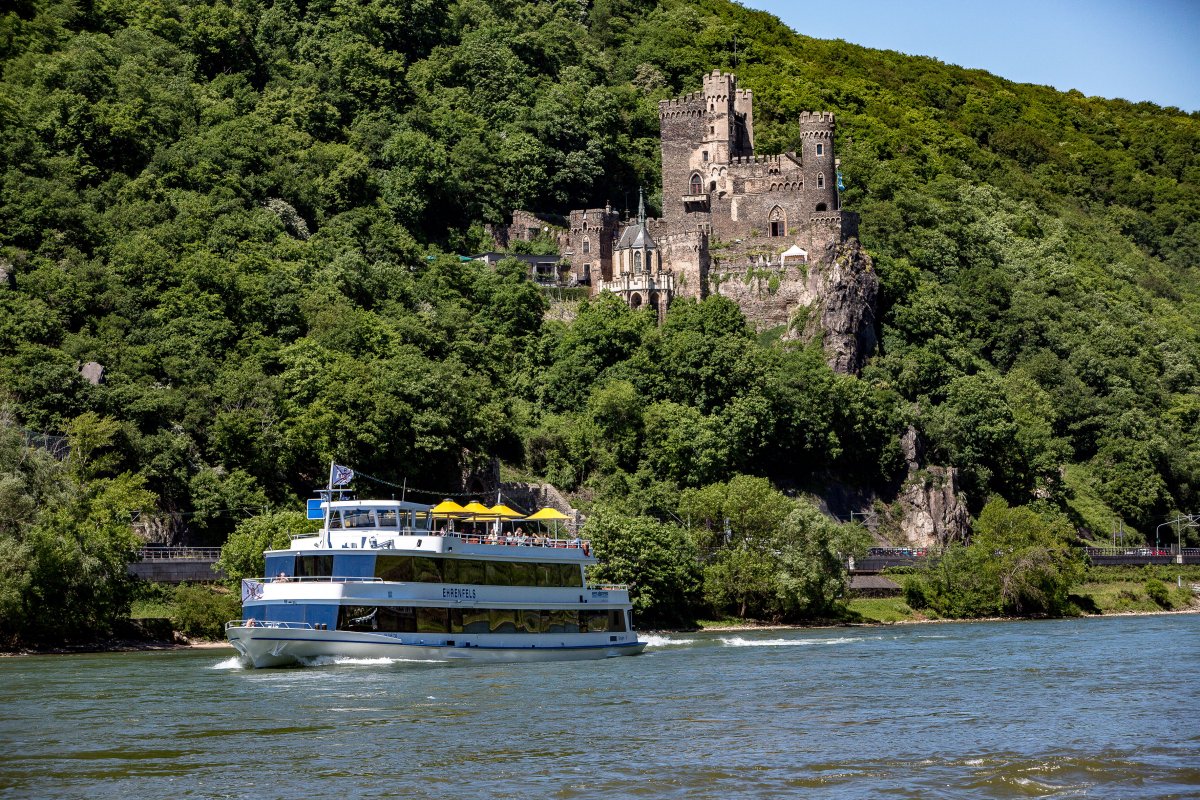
(833, 298)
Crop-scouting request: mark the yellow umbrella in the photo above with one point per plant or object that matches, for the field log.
(477, 509)
(447, 508)
(548, 513)
(501, 510)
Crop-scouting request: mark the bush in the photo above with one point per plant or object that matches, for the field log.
(914, 592)
(202, 612)
(1157, 591)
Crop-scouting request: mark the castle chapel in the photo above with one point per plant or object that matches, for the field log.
(746, 226)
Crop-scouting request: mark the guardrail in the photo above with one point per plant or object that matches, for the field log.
(166, 553)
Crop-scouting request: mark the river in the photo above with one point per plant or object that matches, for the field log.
(1098, 707)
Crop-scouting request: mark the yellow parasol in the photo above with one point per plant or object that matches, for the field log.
(447, 508)
(501, 510)
(548, 513)
(477, 509)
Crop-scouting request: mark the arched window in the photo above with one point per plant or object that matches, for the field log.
(635, 301)
(822, 207)
(820, 149)
(587, 246)
(820, 180)
(697, 186)
(777, 222)
(637, 260)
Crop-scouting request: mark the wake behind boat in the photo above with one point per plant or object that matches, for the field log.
(387, 578)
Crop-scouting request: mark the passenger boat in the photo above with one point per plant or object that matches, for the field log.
(388, 578)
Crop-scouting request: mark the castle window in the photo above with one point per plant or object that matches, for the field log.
(706, 155)
(821, 207)
(587, 246)
(637, 260)
(820, 180)
(820, 149)
(697, 184)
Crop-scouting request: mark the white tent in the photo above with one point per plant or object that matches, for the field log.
(793, 252)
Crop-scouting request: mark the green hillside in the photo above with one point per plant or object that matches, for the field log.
(244, 209)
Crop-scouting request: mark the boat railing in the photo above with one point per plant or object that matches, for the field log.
(526, 540)
(319, 579)
(503, 539)
(251, 622)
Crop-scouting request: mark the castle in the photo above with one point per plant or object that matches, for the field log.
(751, 227)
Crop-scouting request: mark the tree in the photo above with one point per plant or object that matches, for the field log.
(242, 554)
(656, 560)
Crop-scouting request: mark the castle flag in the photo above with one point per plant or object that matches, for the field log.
(841, 186)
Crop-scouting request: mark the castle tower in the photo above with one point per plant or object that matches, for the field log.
(820, 167)
(592, 233)
(700, 131)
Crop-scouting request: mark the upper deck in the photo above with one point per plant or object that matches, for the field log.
(411, 527)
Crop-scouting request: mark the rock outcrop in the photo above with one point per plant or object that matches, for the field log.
(846, 288)
(932, 509)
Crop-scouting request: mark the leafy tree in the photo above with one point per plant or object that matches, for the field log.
(656, 560)
(242, 554)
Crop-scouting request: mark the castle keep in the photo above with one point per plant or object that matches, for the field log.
(766, 231)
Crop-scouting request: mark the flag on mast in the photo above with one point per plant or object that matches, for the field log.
(341, 475)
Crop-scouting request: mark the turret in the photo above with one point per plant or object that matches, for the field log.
(817, 158)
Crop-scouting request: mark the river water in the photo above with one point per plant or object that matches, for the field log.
(1102, 707)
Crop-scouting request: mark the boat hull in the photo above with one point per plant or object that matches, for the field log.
(281, 647)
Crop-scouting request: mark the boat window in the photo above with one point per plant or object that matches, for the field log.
(595, 621)
(534, 621)
(569, 575)
(450, 570)
(358, 518)
(335, 520)
(476, 620)
(563, 621)
(313, 566)
(503, 620)
(523, 575)
(456, 620)
(394, 568)
(471, 571)
(547, 574)
(616, 620)
(499, 573)
(388, 519)
(433, 620)
(427, 570)
(421, 520)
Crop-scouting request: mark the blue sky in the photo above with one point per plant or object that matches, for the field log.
(1135, 49)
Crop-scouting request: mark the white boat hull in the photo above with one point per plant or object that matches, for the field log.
(278, 647)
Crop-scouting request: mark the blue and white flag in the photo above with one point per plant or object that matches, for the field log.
(841, 186)
(341, 475)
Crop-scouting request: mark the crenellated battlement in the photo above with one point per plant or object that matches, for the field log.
(816, 118)
(693, 104)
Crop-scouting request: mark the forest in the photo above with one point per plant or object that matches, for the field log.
(250, 214)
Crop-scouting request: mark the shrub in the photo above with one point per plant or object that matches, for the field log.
(202, 612)
(914, 592)
(1157, 591)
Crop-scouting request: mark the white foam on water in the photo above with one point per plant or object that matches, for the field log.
(739, 641)
(231, 663)
(331, 661)
(654, 640)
